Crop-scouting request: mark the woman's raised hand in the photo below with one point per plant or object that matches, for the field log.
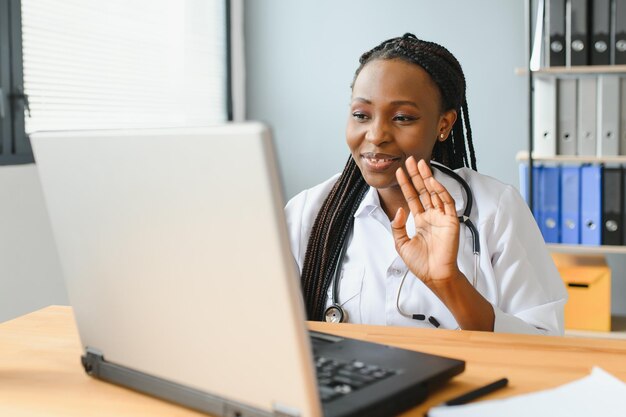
(432, 253)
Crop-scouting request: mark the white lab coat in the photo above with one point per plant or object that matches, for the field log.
(516, 273)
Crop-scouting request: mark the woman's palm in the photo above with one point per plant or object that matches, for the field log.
(431, 254)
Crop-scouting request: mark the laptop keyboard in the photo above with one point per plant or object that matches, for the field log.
(336, 378)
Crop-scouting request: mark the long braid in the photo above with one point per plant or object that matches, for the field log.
(328, 236)
(468, 127)
(336, 216)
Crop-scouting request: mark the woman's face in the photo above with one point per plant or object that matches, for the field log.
(395, 113)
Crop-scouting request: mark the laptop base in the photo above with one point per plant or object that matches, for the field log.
(96, 366)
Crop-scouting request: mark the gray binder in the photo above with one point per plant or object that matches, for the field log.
(576, 32)
(545, 116)
(555, 32)
(618, 33)
(566, 117)
(600, 33)
(608, 115)
(587, 116)
(622, 135)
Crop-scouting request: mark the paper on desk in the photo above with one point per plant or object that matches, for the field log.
(598, 394)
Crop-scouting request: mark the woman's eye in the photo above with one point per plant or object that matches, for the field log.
(359, 116)
(403, 118)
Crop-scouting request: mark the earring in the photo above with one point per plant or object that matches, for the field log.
(441, 135)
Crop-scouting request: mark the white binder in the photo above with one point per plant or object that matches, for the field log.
(587, 126)
(566, 117)
(544, 133)
(608, 115)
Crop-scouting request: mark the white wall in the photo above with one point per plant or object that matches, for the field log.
(30, 274)
(301, 57)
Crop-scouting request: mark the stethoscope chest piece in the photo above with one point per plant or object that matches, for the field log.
(335, 314)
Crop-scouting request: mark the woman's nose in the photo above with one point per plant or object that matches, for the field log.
(378, 132)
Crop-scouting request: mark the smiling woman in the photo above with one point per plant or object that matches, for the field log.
(394, 98)
(389, 215)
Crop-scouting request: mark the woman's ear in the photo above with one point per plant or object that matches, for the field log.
(446, 121)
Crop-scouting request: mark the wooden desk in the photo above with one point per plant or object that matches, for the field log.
(41, 375)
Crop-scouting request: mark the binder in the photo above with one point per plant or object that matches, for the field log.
(608, 115)
(622, 135)
(586, 119)
(623, 192)
(549, 203)
(570, 205)
(618, 33)
(555, 31)
(600, 23)
(523, 173)
(591, 205)
(544, 116)
(612, 206)
(538, 213)
(523, 177)
(566, 117)
(576, 33)
(523, 181)
(537, 58)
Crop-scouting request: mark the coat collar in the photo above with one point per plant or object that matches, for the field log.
(371, 201)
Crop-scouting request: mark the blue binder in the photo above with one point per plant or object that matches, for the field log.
(570, 205)
(549, 203)
(591, 205)
(523, 181)
(523, 178)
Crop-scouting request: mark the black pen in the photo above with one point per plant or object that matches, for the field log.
(477, 393)
(472, 395)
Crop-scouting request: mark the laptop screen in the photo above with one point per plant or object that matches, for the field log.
(176, 257)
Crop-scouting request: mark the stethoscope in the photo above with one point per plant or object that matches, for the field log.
(337, 314)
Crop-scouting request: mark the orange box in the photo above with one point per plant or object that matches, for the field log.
(588, 282)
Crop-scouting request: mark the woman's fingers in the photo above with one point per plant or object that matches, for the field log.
(421, 190)
(440, 197)
(409, 192)
(418, 183)
(398, 228)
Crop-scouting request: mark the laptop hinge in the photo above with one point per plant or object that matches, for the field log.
(91, 361)
(281, 410)
(95, 365)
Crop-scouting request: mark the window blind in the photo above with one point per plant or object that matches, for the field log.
(93, 64)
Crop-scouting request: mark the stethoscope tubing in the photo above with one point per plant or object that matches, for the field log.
(336, 313)
(465, 218)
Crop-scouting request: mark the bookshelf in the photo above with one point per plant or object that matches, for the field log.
(535, 73)
(618, 330)
(579, 70)
(538, 69)
(586, 249)
(620, 159)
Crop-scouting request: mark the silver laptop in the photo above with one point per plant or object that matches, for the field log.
(177, 264)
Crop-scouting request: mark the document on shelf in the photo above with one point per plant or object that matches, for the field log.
(598, 394)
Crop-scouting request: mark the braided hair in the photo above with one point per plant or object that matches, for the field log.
(336, 216)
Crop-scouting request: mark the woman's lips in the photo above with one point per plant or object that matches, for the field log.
(378, 162)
